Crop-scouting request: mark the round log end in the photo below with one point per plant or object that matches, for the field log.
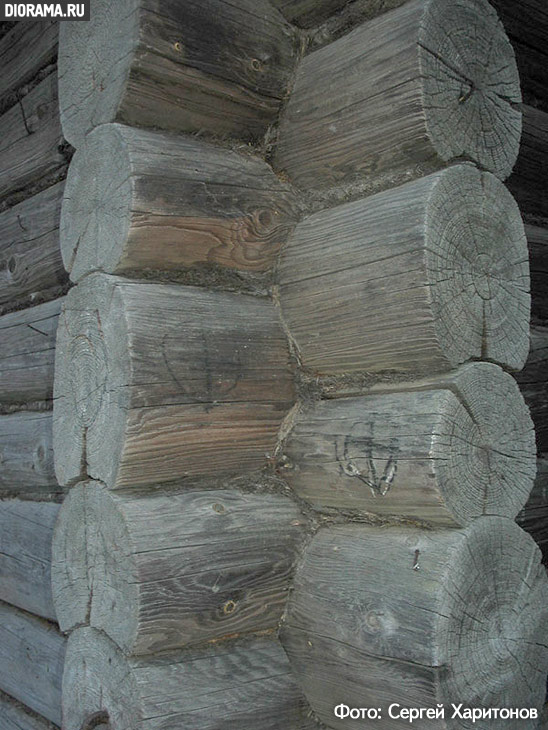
(95, 216)
(94, 62)
(478, 269)
(470, 84)
(485, 449)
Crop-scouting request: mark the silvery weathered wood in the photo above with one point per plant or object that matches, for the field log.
(24, 50)
(307, 13)
(32, 654)
(26, 533)
(213, 66)
(398, 614)
(227, 686)
(138, 199)
(15, 716)
(172, 570)
(26, 453)
(534, 516)
(533, 382)
(31, 139)
(30, 259)
(537, 240)
(27, 353)
(422, 85)
(528, 181)
(444, 450)
(386, 283)
(154, 382)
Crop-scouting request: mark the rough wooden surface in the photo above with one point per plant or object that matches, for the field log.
(534, 516)
(32, 653)
(528, 181)
(27, 353)
(307, 13)
(537, 240)
(444, 451)
(26, 533)
(533, 382)
(26, 453)
(385, 283)
(212, 66)
(137, 199)
(15, 716)
(31, 142)
(398, 614)
(155, 382)
(30, 258)
(166, 571)
(427, 83)
(244, 686)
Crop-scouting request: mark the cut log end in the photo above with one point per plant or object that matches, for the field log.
(471, 85)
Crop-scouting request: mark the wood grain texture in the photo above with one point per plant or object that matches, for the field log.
(168, 571)
(27, 353)
(422, 85)
(155, 382)
(31, 142)
(30, 256)
(245, 686)
(537, 240)
(398, 614)
(308, 13)
(16, 716)
(385, 283)
(26, 453)
(138, 199)
(533, 382)
(528, 181)
(443, 451)
(26, 533)
(32, 654)
(24, 50)
(534, 516)
(212, 66)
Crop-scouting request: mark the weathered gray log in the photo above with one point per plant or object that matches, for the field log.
(228, 686)
(396, 614)
(167, 571)
(16, 716)
(32, 653)
(425, 84)
(307, 13)
(24, 50)
(138, 199)
(31, 142)
(27, 353)
(537, 240)
(528, 180)
(26, 533)
(31, 262)
(26, 453)
(155, 382)
(211, 66)
(385, 283)
(533, 381)
(445, 450)
(534, 516)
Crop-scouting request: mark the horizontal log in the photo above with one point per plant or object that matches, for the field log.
(308, 13)
(155, 382)
(533, 382)
(32, 654)
(445, 450)
(16, 716)
(534, 516)
(26, 534)
(31, 262)
(384, 283)
(225, 687)
(397, 614)
(210, 66)
(138, 199)
(168, 571)
(438, 83)
(26, 49)
(527, 182)
(27, 347)
(537, 239)
(31, 142)
(26, 453)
